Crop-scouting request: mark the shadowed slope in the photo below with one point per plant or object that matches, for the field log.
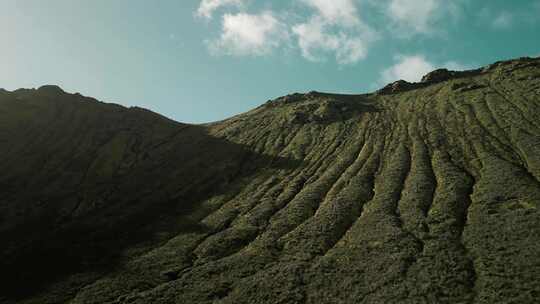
(420, 193)
(83, 181)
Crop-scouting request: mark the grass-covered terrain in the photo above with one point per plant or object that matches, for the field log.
(418, 193)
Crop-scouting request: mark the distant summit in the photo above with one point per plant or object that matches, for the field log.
(441, 75)
(52, 89)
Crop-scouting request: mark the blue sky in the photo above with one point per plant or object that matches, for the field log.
(200, 61)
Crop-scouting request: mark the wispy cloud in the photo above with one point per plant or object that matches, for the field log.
(334, 27)
(343, 12)
(417, 15)
(503, 20)
(411, 68)
(520, 16)
(207, 7)
(316, 38)
(247, 34)
(311, 37)
(327, 29)
(407, 18)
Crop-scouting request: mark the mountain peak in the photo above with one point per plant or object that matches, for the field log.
(51, 89)
(443, 74)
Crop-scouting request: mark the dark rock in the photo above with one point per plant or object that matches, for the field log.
(438, 76)
(398, 86)
(170, 275)
(291, 98)
(51, 89)
(458, 85)
(472, 87)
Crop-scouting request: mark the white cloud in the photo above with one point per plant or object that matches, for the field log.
(207, 7)
(311, 37)
(351, 51)
(417, 15)
(334, 28)
(247, 34)
(409, 68)
(342, 12)
(412, 68)
(315, 40)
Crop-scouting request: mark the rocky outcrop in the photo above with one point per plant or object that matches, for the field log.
(399, 86)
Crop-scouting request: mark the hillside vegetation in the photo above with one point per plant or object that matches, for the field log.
(417, 193)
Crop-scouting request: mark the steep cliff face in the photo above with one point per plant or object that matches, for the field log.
(419, 193)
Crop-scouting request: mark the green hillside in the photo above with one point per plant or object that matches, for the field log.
(417, 193)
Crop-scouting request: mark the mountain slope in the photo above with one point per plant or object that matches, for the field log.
(419, 193)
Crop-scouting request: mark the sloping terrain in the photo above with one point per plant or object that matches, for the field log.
(418, 193)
